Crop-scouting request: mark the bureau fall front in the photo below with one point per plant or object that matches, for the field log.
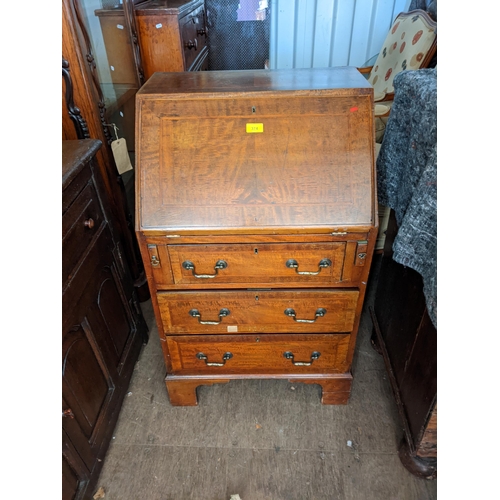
(256, 218)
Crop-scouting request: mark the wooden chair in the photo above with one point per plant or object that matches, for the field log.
(410, 44)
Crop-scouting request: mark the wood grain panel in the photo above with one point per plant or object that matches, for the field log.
(258, 311)
(309, 167)
(261, 262)
(258, 355)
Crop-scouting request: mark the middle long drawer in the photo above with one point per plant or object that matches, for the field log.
(262, 311)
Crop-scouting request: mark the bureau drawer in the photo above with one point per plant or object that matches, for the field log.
(250, 354)
(80, 224)
(260, 311)
(193, 37)
(257, 263)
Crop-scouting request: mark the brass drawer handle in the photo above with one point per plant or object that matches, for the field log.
(220, 264)
(320, 312)
(293, 264)
(289, 355)
(222, 314)
(154, 261)
(226, 356)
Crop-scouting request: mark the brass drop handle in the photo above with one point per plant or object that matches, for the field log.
(226, 356)
(154, 261)
(293, 264)
(320, 312)
(89, 223)
(314, 356)
(220, 264)
(191, 44)
(222, 314)
(68, 413)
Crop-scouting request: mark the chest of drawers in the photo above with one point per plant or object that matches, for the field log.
(256, 219)
(173, 35)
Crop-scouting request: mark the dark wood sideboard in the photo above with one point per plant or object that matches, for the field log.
(404, 334)
(103, 328)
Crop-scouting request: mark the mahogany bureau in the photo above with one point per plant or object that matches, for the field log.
(256, 218)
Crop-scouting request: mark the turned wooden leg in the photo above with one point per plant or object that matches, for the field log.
(183, 392)
(424, 468)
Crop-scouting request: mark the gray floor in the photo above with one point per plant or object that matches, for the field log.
(260, 439)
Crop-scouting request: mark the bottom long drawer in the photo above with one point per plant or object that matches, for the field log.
(258, 354)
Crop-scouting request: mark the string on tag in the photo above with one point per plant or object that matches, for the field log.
(114, 127)
(120, 151)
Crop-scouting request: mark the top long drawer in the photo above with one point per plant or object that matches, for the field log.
(248, 263)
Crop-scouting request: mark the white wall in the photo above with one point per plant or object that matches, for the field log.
(325, 33)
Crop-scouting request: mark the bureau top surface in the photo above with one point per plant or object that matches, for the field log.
(255, 151)
(344, 80)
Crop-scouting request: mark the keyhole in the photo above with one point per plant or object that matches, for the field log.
(256, 251)
(256, 297)
(254, 110)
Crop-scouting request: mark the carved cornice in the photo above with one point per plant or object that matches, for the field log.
(82, 130)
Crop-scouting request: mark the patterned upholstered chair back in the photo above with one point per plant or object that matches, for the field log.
(410, 44)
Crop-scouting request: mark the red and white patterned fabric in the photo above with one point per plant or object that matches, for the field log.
(405, 48)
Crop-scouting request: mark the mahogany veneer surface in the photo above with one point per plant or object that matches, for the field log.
(256, 194)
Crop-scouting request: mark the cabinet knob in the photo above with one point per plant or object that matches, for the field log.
(68, 413)
(202, 32)
(191, 44)
(89, 223)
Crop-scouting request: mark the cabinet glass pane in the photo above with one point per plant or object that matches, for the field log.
(118, 80)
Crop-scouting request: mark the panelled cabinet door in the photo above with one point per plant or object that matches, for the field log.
(96, 342)
(75, 476)
(111, 316)
(87, 390)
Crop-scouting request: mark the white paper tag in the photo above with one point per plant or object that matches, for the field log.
(232, 328)
(158, 26)
(119, 26)
(120, 153)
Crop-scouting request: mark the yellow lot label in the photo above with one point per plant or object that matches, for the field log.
(255, 128)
